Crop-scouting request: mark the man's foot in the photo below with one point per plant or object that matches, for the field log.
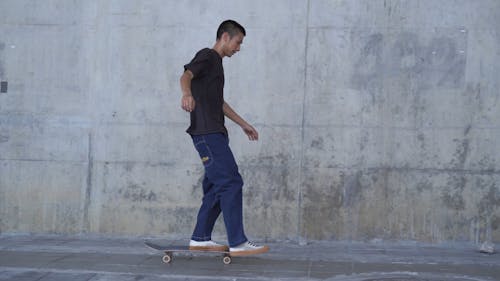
(248, 248)
(207, 246)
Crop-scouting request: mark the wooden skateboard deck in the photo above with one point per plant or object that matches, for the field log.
(170, 250)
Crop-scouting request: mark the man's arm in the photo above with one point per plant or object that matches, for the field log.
(247, 128)
(187, 102)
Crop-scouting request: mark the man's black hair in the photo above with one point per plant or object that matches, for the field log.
(231, 27)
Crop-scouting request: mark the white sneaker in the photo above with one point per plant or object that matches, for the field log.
(207, 246)
(248, 248)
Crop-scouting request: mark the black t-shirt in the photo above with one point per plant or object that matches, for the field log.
(207, 87)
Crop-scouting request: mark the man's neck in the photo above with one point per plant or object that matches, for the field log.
(218, 48)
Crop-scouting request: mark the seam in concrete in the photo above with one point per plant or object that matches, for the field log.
(88, 188)
(301, 239)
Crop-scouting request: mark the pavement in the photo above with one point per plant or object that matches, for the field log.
(97, 258)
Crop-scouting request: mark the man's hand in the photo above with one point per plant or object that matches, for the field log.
(251, 132)
(247, 128)
(188, 103)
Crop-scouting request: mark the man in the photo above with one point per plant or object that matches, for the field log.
(202, 85)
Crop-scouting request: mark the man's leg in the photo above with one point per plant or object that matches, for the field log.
(232, 210)
(210, 207)
(208, 213)
(221, 170)
(228, 184)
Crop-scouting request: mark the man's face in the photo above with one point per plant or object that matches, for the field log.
(233, 44)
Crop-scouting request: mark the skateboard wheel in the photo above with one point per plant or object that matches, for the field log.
(226, 260)
(167, 258)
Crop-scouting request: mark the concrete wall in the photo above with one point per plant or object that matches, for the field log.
(378, 119)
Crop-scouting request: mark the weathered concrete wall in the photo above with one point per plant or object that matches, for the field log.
(378, 119)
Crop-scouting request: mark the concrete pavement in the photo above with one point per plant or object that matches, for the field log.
(29, 258)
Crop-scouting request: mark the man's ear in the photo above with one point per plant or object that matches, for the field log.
(225, 37)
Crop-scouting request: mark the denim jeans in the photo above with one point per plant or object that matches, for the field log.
(222, 189)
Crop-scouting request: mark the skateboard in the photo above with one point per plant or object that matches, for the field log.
(170, 250)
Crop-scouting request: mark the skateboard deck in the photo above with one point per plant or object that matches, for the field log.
(170, 250)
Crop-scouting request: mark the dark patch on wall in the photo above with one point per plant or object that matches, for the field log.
(66, 218)
(318, 143)
(421, 140)
(330, 195)
(198, 187)
(438, 64)
(364, 139)
(467, 130)
(487, 164)
(3, 87)
(461, 153)
(266, 180)
(4, 137)
(175, 220)
(129, 166)
(2, 69)
(137, 193)
(322, 210)
(452, 195)
(495, 223)
(424, 185)
(367, 66)
(490, 201)
(446, 65)
(352, 189)
(453, 201)
(406, 54)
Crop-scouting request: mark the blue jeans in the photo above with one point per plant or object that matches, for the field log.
(222, 189)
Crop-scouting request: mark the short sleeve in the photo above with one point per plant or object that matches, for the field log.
(200, 64)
